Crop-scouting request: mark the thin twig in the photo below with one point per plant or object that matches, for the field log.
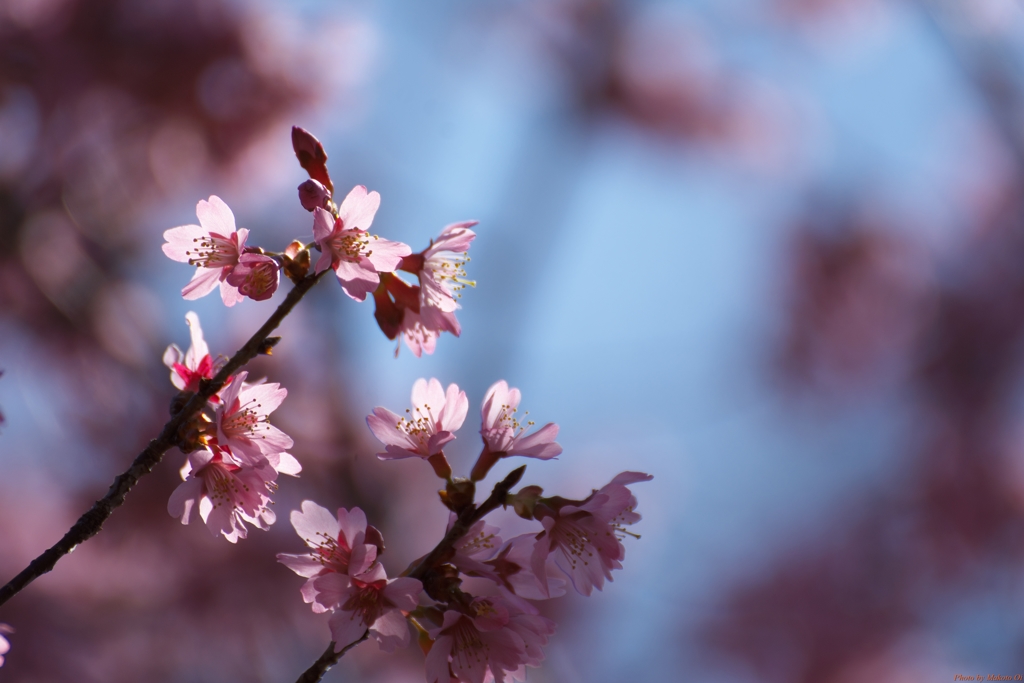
(328, 659)
(90, 523)
(469, 516)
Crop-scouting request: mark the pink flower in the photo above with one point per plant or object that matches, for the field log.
(503, 433)
(339, 546)
(512, 569)
(480, 543)
(195, 364)
(5, 646)
(243, 424)
(369, 601)
(440, 268)
(585, 537)
(473, 645)
(434, 416)
(356, 256)
(256, 276)
(214, 249)
(226, 494)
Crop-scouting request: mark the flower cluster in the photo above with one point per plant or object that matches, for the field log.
(364, 263)
(466, 637)
(235, 454)
(367, 264)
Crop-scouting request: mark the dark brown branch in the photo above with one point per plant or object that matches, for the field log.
(90, 523)
(470, 516)
(328, 659)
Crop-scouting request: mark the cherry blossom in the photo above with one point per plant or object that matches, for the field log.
(243, 424)
(227, 495)
(512, 569)
(503, 433)
(256, 276)
(193, 365)
(474, 645)
(339, 546)
(355, 255)
(213, 247)
(440, 268)
(369, 601)
(584, 536)
(430, 424)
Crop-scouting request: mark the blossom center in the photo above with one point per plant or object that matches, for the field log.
(213, 251)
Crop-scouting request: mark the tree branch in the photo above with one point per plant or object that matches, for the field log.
(470, 516)
(328, 659)
(90, 523)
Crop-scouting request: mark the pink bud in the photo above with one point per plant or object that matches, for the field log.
(313, 194)
(312, 156)
(256, 276)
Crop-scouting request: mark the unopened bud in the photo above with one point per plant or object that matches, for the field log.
(313, 194)
(459, 494)
(525, 500)
(267, 347)
(295, 261)
(311, 156)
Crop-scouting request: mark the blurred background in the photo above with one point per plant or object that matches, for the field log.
(770, 252)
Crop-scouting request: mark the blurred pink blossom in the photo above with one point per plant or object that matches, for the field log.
(369, 601)
(483, 643)
(5, 646)
(193, 365)
(584, 537)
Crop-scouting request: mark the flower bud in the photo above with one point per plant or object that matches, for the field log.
(311, 156)
(313, 194)
(525, 500)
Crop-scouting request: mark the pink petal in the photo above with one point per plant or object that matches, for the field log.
(455, 237)
(357, 279)
(314, 522)
(350, 523)
(456, 406)
(323, 227)
(539, 444)
(391, 630)
(625, 478)
(303, 565)
(346, 628)
(215, 216)
(181, 240)
(358, 208)
(437, 659)
(384, 425)
(385, 255)
(202, 283)
(229, 295)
